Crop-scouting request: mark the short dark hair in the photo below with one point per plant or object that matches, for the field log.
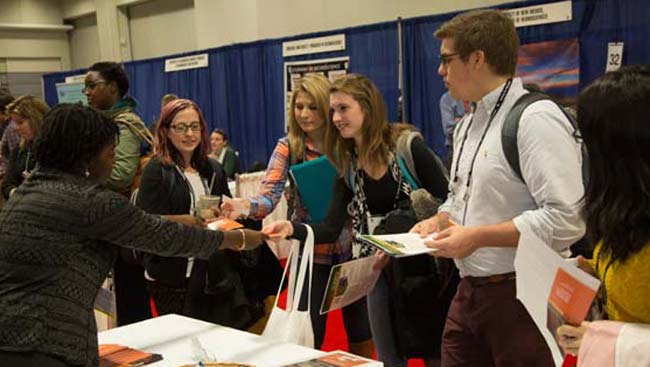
(222, 133)
(112, 72)
(491, 31)
(72, 136)
(612, 117)
(5, 99)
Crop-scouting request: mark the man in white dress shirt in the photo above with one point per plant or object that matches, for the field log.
(486, 324)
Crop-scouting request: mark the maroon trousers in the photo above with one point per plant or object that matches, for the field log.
(488, 327)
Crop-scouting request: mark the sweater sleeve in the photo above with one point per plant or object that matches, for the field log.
(429, 169)
(329, 229)
(111, 218)
(272, 187)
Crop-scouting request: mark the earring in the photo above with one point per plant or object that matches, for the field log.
(87, 173)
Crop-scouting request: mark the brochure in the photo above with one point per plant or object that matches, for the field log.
(349, 282)
(568, 302)
(400, 245)
(552, 289)
(337, 359)
(115, 355)
(224, 224)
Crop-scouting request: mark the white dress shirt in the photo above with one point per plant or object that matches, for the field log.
(548, 203)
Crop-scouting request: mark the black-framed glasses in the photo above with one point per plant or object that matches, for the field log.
(92, 85)
(445, 59)
(181, 128)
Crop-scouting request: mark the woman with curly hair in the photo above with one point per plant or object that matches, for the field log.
(59, 237)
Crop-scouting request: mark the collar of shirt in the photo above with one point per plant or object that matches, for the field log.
(489, 101)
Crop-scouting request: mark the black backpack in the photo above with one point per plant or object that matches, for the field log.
(511, 150)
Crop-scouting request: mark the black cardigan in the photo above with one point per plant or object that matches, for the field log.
(164, 191)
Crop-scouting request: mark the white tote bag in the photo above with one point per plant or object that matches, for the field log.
(292, 325)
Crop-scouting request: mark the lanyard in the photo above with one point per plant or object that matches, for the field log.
(493, 114)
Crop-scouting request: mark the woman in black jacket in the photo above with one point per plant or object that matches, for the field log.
(172, 183)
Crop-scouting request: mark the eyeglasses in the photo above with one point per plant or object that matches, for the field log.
(91, 85)
(181, 128)
(445, 59)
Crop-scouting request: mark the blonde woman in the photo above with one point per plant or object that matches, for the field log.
(362, 145)
(27, 114)
(308, 115)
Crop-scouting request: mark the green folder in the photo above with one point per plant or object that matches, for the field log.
(315, 182)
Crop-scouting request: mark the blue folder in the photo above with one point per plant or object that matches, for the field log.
(315, 182)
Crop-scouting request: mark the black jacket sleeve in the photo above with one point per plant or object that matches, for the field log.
(153, 195)
(430, 171)
(337, 214)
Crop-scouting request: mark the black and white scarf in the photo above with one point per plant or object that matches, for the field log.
(358, 207)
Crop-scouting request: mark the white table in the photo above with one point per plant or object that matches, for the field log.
(171, 335)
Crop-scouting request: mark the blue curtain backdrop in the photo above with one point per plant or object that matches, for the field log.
(594, 24)
(242, 91)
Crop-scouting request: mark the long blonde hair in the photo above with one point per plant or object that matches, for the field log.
(317, 87)
(32, 109)
(379, 136)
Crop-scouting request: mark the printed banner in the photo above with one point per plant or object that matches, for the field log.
(554, 67)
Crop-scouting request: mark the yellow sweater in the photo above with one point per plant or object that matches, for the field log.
(627, 284)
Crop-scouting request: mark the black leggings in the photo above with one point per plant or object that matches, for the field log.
(355, 315)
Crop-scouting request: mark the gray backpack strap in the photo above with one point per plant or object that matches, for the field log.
(405, 154)
(511, 127)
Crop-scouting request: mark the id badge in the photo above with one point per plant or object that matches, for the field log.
(373, 222)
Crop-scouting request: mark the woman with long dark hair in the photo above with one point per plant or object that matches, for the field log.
(307, 123)
(363, 148)
(612, 117)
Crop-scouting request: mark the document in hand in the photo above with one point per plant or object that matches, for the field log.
(569, 301)
(399, 245)
(338, 359)
(114, 355)
(349, 282)
(315, 181)
(551, 288)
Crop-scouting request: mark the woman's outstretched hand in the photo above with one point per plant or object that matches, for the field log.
(278, 230)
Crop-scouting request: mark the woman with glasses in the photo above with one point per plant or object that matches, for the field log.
(106, 87)
(172, 183)
(27, 114)
(613, 121)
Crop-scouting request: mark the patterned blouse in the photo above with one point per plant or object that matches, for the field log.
(270, 193)
(59, 236)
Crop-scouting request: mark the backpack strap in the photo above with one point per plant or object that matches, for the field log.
(405, 157)
(131, 120)
(511, 127)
